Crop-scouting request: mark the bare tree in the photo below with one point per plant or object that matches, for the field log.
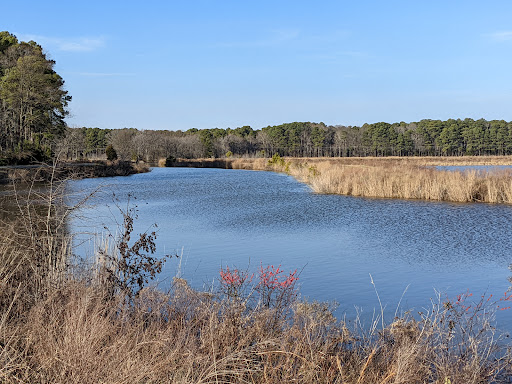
(122, 141)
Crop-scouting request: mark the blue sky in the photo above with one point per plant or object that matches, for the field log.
(205, 64)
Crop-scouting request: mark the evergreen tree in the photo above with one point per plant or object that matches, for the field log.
(32, 97)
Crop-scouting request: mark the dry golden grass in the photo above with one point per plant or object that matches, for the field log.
(261, 163)
(74, 335)
(412, 161)
(409, 182)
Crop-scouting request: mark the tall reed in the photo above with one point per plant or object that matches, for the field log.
(410, 182)
(74, 335)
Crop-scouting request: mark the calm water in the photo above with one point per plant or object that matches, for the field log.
(483, 168)
(244, 218)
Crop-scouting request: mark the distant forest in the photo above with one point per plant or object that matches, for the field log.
(304, 139)
(33, 106)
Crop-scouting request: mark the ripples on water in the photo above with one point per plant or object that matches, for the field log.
(233, 217)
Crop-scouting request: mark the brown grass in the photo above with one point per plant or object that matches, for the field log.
(73, 335)
(262, 163)
(409, 182)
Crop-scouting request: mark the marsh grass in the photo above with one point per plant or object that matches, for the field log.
(409, 182)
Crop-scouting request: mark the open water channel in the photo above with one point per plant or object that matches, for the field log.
(414, 250)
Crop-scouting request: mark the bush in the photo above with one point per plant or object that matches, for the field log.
(130, 266)
(170, 161)
(276, 160)
(111, 153)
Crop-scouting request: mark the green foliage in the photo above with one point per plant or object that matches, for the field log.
(306, 139)
(6, 40)
(170, 161)
(229, 154)
(206, 136)
(276, 160)
(245, 131)
(95, 138)
(111, 153)
(32, 98)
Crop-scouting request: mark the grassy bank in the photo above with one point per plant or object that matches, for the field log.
(44, 172)
(401, 178)
(94, 322)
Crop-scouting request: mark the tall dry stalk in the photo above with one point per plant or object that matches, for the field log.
(407, 182)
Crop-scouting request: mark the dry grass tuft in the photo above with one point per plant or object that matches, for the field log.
(75, 336)
(409, 182)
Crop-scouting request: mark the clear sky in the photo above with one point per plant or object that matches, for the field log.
(213, 63)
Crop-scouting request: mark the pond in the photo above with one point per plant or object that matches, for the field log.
(412, 250)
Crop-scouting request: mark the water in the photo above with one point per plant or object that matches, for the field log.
(480, 168)
(243, 218)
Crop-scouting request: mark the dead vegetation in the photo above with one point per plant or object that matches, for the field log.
(45, 172)
(408, 182)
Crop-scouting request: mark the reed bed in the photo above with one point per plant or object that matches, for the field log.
(261, 163)
(409, 182)
(74, 334)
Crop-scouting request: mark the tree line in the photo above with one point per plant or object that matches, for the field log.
(33, 106)
(305, 139)
(33, 100)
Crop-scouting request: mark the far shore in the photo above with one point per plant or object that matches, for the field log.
(44, 172)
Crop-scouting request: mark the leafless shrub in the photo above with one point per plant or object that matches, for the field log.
(128, 267)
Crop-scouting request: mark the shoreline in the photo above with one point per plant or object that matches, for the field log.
(45, 172)
(261, 163)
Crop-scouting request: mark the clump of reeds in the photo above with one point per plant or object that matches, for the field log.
(411, 182)
(398, 179)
